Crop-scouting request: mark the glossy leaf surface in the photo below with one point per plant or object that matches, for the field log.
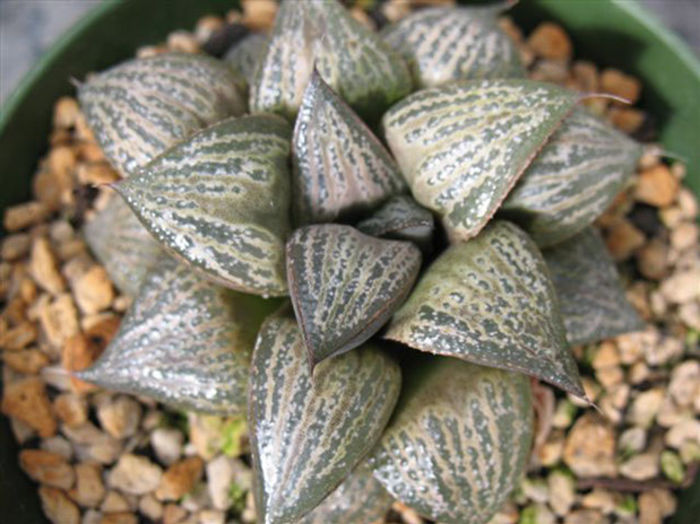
(308, 434)
(573, 180)
(185, 342)
(445, 44)
(490, 301)
(140, 108)
(345, 285)
(463, 146)
(340, 167)
(591, 297)
(458, 442)
(352, 59)
(220, 201)
(247, 54)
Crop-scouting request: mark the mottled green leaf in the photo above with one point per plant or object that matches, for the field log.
(340, 168)
(345, 285)
(140, 108)
(353, 60)
(444, 44)
(401, 218)
(123, 246)
(359, 499)
(308, 434)
(591, 298)
(573, 180)
(463, 146)
(247, 54)
(185, 342)
(490, 301)
(220, 201)
(458, 442)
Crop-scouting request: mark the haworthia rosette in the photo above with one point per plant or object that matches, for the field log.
(121, 243)
(340, 167)
(140, 108)
(573, 179)
(401, 218)
(445, 44)
(463, 146)
(246, 55)
(345, 285)
(459, 440)
(220, 201)
(185, 342)
(355, 61)
(308, 434)
(490, 301)
(591, 298)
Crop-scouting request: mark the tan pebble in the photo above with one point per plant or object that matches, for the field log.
(18, 337)
(550, 452)
(549, 40)
(65, 112)
(682, 287)
(626, 119)
(182, 42)
(666, 350)
(91, 153)
(150, 507)
(28, 290)
(91, 516)
(606, 355)
(119, 417)
(649, 509)
(71, 409)
(58, 508)
(179, 478)
(637, 295)
(640, 467)
(555, 71)
(590, 447)
(119, 518)
(79, 353)
(43, 267)
(652, 260)
(657, 186)
(16, 312)
(671, 413)
(671, 216)
(89, 489)
(687, 203)
(93, 290)
(71, 249)
(623, 239)
(211, 516)
(61, 231)
(24, 215)
(259, 15)
(15, 246)
(686, 429)
(638, 373)
(586, 76)
(645, 406)
(77, 266)
(207, 26)
(511, 29)
(632, 440)
(689, 313)
(585, 516)
(53, 186)
(27, 400)
(173, 514)
(59, 445)
(685, 382)
(83, 132)
(121, 303)
(29, 361)
(135, 475)
(684, 236)
(114, 502)
(21, 431)
(96, 174)
(562, 492)
(167, 444)
(59, 319)
(601, 499)
(619, 84)
(47, 468)
(149, 51)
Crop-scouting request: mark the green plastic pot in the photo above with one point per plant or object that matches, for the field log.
(616, 33)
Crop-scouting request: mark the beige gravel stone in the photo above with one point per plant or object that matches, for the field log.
(211, 516)
(601, 499)
(114, 502)
(18, 337)
(15, 246)
(220, 473)
(173, 514)
(58, 508)
(590, 447)
(562, 492)
(179, 479)
(623, 239)
(59, 445)
(687, 429)
(43, 267)
(549, 40)
(27, 400)
(645, 407)
(684, 236)
(93, 290)
(91, 516)
(682, 286)
(617, 83)
(119, 518)
(657, 186)
(167, 444)
(610, 376)
(71, 409)
(150, 507)
(89, 489)
(652, 260)
(119, 416)
(135, 475)
(47, 468)
(607, 355)
(65, 112)
(28, 361)
(640, 467)
(685, 382)
(665, 351)
(632, 440)
(24, 215)
(585, 516)
(259, 15)
(689, 313)
(550, 452)
(58, 319)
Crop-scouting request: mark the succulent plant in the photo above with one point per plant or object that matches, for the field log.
(468, 239)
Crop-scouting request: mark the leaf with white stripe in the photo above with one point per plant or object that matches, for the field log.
(591, 298)
(345, 285)
(247, 54)
(307, 435)
(444, 44)
(359, 499)
(463, 146)
(140, 108)
(185, 342)
(458, 443)
(573, 180)
(352, 59)
(490, 301)
(401, 218)
(340, 168)
(220, 201)
(123, 246)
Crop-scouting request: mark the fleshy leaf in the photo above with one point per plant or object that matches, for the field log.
(463, 146)
(591, 298)
(247, 54)
(185, 342)
(340, 167)
(360, 498)
(445, 44)
(573, 180)
(401, 218)
(308, 435)
(490, 301)
(140, 108)
(458, 442)
(121, 243)
(220, 201)
(345, 285)
(355, 61)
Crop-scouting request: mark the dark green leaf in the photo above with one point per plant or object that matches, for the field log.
(308, 435)
(247, 54)
(345, 285)
(490, 301)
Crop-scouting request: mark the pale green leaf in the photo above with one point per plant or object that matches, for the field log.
(308, 434)
(463, 146)
(140, 108)
(220, 201)
(340, 168)
(459, 440)
(247, 54)
(591, 298)
(185, 342)
(573, 180)
(345, 285)
(490, 301)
